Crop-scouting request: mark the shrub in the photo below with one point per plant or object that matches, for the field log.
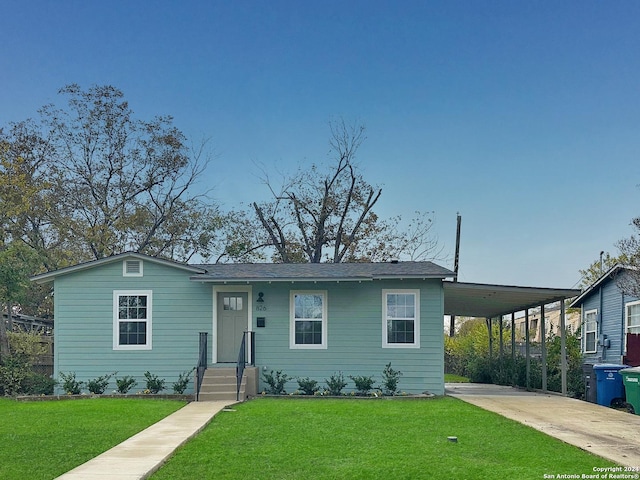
(16, 374)
(70, 385)
(275, 382)
(13, 372)
(390, 378)
(308, 386)
(98, 385)
(154, 384)
(335, 384)
(363, 384)
(124, 384)
(183, 381)
(38, 384)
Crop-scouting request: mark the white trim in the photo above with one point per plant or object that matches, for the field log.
(248, 289)
(292, 321)
(125, 270)
(595, 332)
(416, 320)
(626, 321)
(116, 320)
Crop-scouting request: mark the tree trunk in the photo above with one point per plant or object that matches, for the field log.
(4, 338)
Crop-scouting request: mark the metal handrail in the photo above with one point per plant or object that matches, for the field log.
(242, 359)
(202, 363)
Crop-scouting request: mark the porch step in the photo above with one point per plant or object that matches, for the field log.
(221, 384)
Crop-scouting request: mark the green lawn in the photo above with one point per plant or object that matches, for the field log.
(451, 378)
(42, 440)
(371, 439)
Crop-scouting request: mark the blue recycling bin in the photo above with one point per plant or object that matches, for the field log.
(609, 383)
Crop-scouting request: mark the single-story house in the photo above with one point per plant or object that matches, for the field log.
(131, 313)
(610, 320)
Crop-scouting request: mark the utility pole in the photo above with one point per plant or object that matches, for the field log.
(456, 265)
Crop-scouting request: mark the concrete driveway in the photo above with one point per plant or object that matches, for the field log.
(603, 431)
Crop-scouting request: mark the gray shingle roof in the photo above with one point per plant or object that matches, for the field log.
(320, 271)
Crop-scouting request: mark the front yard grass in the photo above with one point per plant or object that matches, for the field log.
(42, 440)
(371, 439)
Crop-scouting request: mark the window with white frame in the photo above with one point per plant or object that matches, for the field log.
(132, 319)
(632, 322)
(401, 318)
(308, 319)
(590, 330)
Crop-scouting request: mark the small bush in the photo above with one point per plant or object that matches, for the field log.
(13, 372)
(390, 378)
(124, 384)
(38, 384)
(183, 381)
(154, 384)
(97, 386)
(363, 383)
(335, 384)
(275, 382)
(308, 386)
(70, 385)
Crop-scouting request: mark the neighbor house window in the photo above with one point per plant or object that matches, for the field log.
(308, 319)
(401, 318)
(590, 330)
(633, 319)
(132, 319)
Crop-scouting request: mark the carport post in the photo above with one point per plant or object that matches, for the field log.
(526, 348)
(513, 348)
(563, 349)
(543, 349)
(501, 340)
(489, 322)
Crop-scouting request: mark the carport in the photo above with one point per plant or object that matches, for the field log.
(493, 302)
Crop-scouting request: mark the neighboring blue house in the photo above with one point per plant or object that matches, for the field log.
(610, 321)
(131, 313)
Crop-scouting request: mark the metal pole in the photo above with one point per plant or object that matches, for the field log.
(563, 349)
(501, 340)
(513, 348)
(526, 348)
(452, 319)
(488, 320)
(543, 346)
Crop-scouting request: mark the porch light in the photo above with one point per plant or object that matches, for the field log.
(260, 299)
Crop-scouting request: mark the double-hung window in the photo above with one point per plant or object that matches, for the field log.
(590, 330)
(308, 319)
(401, 318)
(633, 318)
(132, 319)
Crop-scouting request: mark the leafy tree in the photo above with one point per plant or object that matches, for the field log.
(104, 182)
(17, 263)
(630, 249)
(326, 213)
(594, 271)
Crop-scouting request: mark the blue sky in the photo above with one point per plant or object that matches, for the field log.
(522, 116)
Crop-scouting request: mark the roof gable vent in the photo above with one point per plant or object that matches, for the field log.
(132, 268)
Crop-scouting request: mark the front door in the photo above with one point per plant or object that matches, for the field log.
(232, 323)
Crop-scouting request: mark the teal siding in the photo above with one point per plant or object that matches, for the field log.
(182, 308)
(354, 337)
(84, 323)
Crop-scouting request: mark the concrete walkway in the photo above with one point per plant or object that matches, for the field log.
(141, 455)
(603, 431)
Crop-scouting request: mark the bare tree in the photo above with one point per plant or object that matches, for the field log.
(328, 214)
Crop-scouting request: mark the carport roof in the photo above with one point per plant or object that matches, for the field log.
(485, 300)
